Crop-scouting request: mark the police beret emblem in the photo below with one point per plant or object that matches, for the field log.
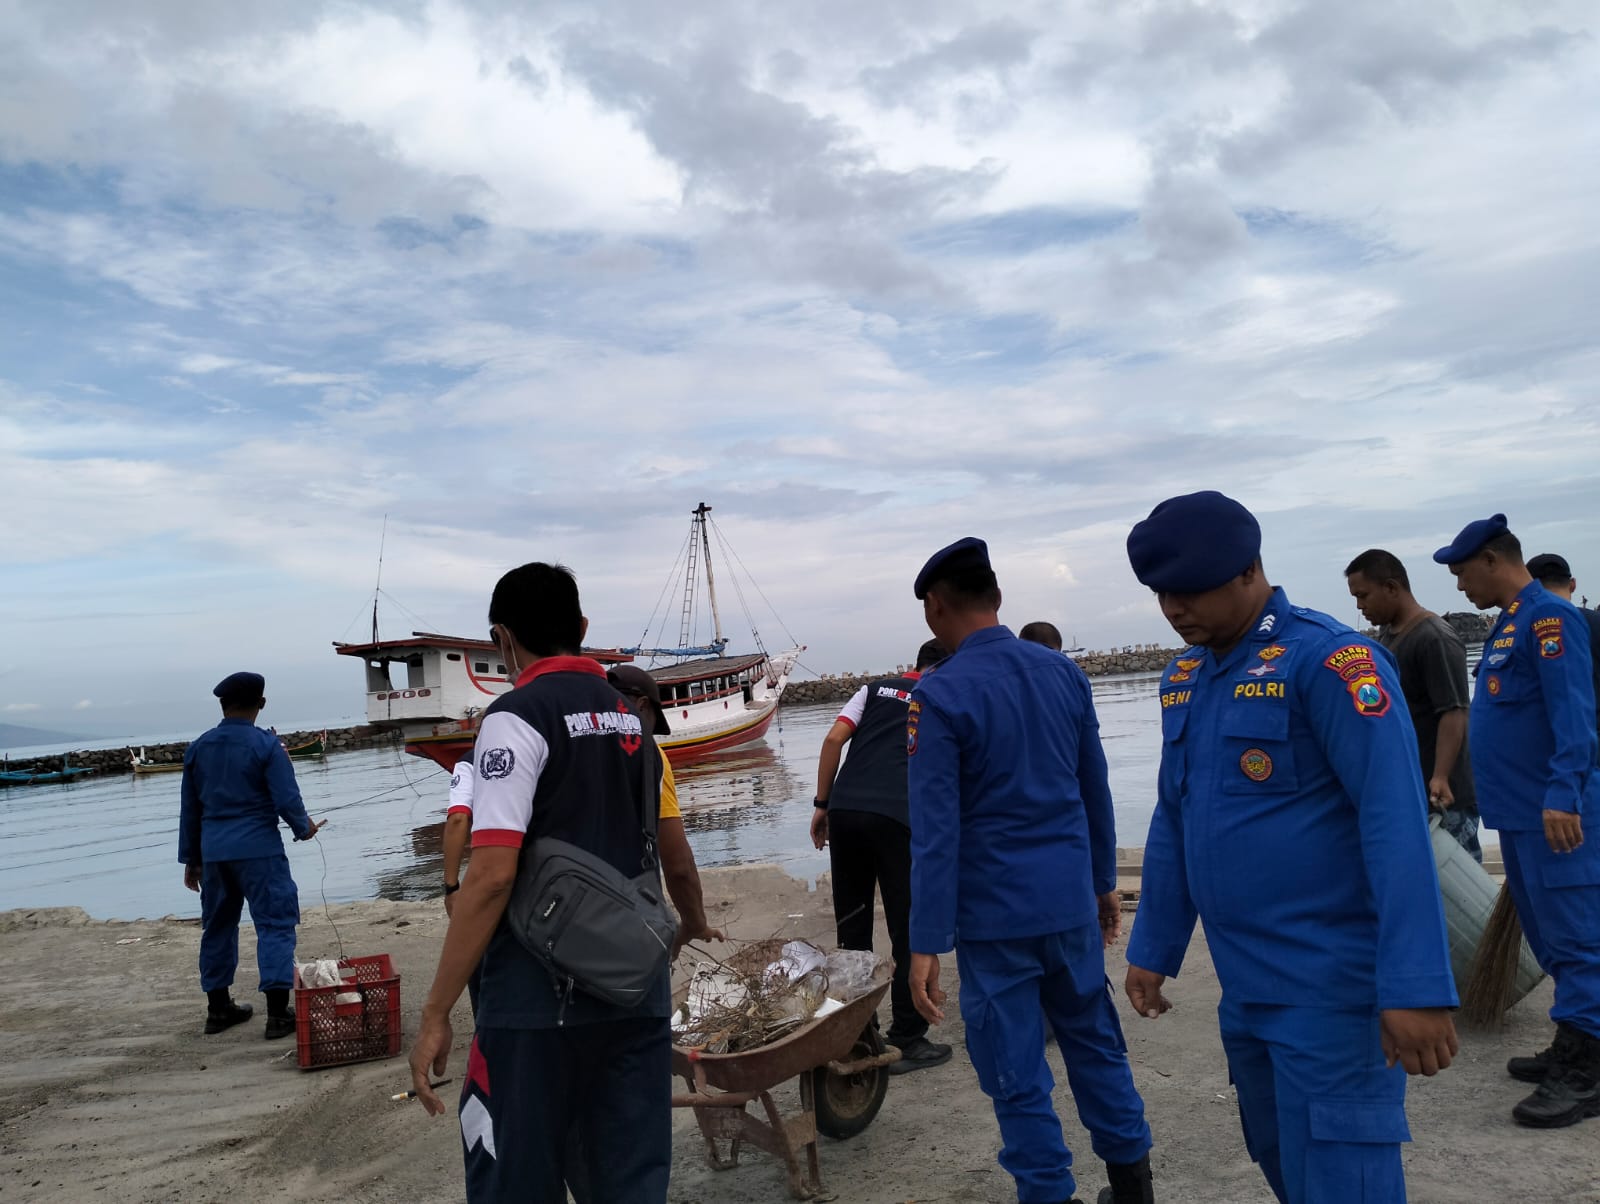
(496, 763)
(1256, 765)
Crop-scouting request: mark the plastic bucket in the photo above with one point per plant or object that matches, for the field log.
(1469, 894)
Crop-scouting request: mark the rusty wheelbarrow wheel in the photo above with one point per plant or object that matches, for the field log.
(847, 1103)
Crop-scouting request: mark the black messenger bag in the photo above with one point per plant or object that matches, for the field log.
(592, 927)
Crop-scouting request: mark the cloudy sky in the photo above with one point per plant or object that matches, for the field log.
(865, 277)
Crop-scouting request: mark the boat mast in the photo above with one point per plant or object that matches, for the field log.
(378, 587)
(711, 585)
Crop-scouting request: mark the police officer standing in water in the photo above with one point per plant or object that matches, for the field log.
(1534, 758)
(1291, 818)
(237, 784)
(1013, 863)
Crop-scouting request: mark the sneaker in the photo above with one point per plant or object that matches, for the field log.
(1532, 1069)
(280, 1026)
(218, 1019)
(919, 1053)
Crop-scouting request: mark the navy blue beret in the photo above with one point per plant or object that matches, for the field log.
(1473, 536)
(241, 687)
(968, 553)
(1194, 543)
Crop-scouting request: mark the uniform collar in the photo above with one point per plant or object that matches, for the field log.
(560, 664)
(1526, 594)
(986, 635)
(1268, 626)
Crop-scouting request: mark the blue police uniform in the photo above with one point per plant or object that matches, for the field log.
(237, 783)
(1291, 817)
(1012, 838)
(1534, 749)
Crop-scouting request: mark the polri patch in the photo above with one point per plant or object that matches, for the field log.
(1255, 764)
(1350, 658)
(1493, 684)
(1547, 633)
(1367, 692)
(913, 715)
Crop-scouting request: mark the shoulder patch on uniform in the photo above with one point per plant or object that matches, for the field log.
(497, 763)
(1547, 634)
(1351, 659)
(1368, 694)
(913, 716)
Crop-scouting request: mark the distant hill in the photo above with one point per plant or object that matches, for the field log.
(15, 735)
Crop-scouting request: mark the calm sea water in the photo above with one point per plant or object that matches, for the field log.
(109, 845)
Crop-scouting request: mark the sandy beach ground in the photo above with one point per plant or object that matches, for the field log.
(109, 1090)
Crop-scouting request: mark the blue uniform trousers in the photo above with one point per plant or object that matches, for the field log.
(264, 883)
(1003, 986)
(537, 1100)
(1322, 1115)
(1558, 900)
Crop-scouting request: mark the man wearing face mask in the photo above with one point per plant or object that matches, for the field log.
(237, 784)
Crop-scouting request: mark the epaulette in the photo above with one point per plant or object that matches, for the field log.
(1325, 621)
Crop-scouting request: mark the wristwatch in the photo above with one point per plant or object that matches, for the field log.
(821, 803)
(450, 888)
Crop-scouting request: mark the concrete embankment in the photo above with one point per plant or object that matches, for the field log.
(115, 760)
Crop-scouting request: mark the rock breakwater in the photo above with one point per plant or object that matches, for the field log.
(838, 687)
(116, 760)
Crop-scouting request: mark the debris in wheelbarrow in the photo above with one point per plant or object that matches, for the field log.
(765, 991)
(838, 1058)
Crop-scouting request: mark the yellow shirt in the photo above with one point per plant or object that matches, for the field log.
(669, 791)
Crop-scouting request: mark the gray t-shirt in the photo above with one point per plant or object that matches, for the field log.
(1433, 677)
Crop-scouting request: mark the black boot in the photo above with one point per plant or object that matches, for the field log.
(1130, 1183)
(1532, 1069)
(1571, 1090)
(280, 1016)
(223, 1013)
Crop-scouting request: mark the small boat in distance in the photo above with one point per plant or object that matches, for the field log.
(713, 701)
(311, 750)
(142, 764)
(42, 777)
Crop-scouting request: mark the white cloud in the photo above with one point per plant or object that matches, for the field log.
(534, 282)
(20, 706)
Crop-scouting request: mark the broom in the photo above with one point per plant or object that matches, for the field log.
(1493, 977)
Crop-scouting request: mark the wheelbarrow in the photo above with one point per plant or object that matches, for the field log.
(841, 1062)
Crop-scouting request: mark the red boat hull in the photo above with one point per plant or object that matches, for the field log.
(445, 751)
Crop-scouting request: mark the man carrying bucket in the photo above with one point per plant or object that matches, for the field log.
(1290, 817)
(1535, 751)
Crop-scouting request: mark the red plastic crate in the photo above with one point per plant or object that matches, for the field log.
(329, 1033)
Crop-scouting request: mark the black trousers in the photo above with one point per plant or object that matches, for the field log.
(870, 851)
(589, 1104)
